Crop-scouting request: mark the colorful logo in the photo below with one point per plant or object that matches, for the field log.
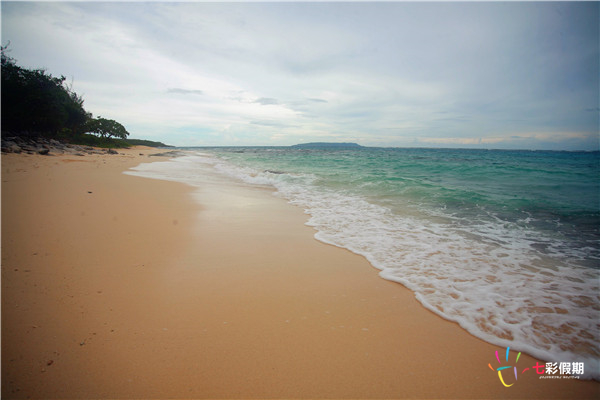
(501, 369)
(550, 370)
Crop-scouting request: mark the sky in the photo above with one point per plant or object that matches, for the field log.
(507, 75)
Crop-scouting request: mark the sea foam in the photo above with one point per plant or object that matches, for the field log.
(485, 278)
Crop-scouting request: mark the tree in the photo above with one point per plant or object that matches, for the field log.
(35, 102)
(106, 128)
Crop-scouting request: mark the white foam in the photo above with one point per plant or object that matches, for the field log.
(193, 169)
(498, 290)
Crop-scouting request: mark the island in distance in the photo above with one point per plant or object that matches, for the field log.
(327, 145)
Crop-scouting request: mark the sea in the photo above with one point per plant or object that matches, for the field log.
(504, 243)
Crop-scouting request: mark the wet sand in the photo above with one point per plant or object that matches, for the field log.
(116, 286)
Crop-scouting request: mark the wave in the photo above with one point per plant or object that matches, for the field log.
(487, 277)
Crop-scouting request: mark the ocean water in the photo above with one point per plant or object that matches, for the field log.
(505, 243)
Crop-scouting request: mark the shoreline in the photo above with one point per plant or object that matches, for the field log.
(155, 295)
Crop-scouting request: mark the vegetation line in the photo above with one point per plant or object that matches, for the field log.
(37, 104)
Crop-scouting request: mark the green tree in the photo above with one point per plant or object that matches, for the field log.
(106, 128)
(36, 103)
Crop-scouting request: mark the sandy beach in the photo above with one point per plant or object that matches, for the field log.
(117, 286)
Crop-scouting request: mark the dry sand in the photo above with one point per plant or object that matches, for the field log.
(115, 286)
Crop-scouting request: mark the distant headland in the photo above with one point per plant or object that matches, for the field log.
(328, 145)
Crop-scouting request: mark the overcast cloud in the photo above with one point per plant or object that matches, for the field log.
(491, 75)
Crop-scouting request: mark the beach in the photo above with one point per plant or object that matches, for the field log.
(118, 286)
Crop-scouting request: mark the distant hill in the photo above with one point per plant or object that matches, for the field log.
(143, 142)
(327, 145)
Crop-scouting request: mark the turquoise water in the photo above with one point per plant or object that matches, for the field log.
(554, 194)
(505, 243)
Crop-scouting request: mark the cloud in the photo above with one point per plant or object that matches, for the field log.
(184, 91)
(316, 100)
(529, 140)
(265, 101)
(439, 74)
(268, 123)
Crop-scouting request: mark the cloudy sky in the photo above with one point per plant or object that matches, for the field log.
(483, 75)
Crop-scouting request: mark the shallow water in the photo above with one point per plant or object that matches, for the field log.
(506, 243)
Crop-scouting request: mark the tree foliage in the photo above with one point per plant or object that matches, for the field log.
(38, 104)
(106, 128)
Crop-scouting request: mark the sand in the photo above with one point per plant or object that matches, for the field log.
(117, 286)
